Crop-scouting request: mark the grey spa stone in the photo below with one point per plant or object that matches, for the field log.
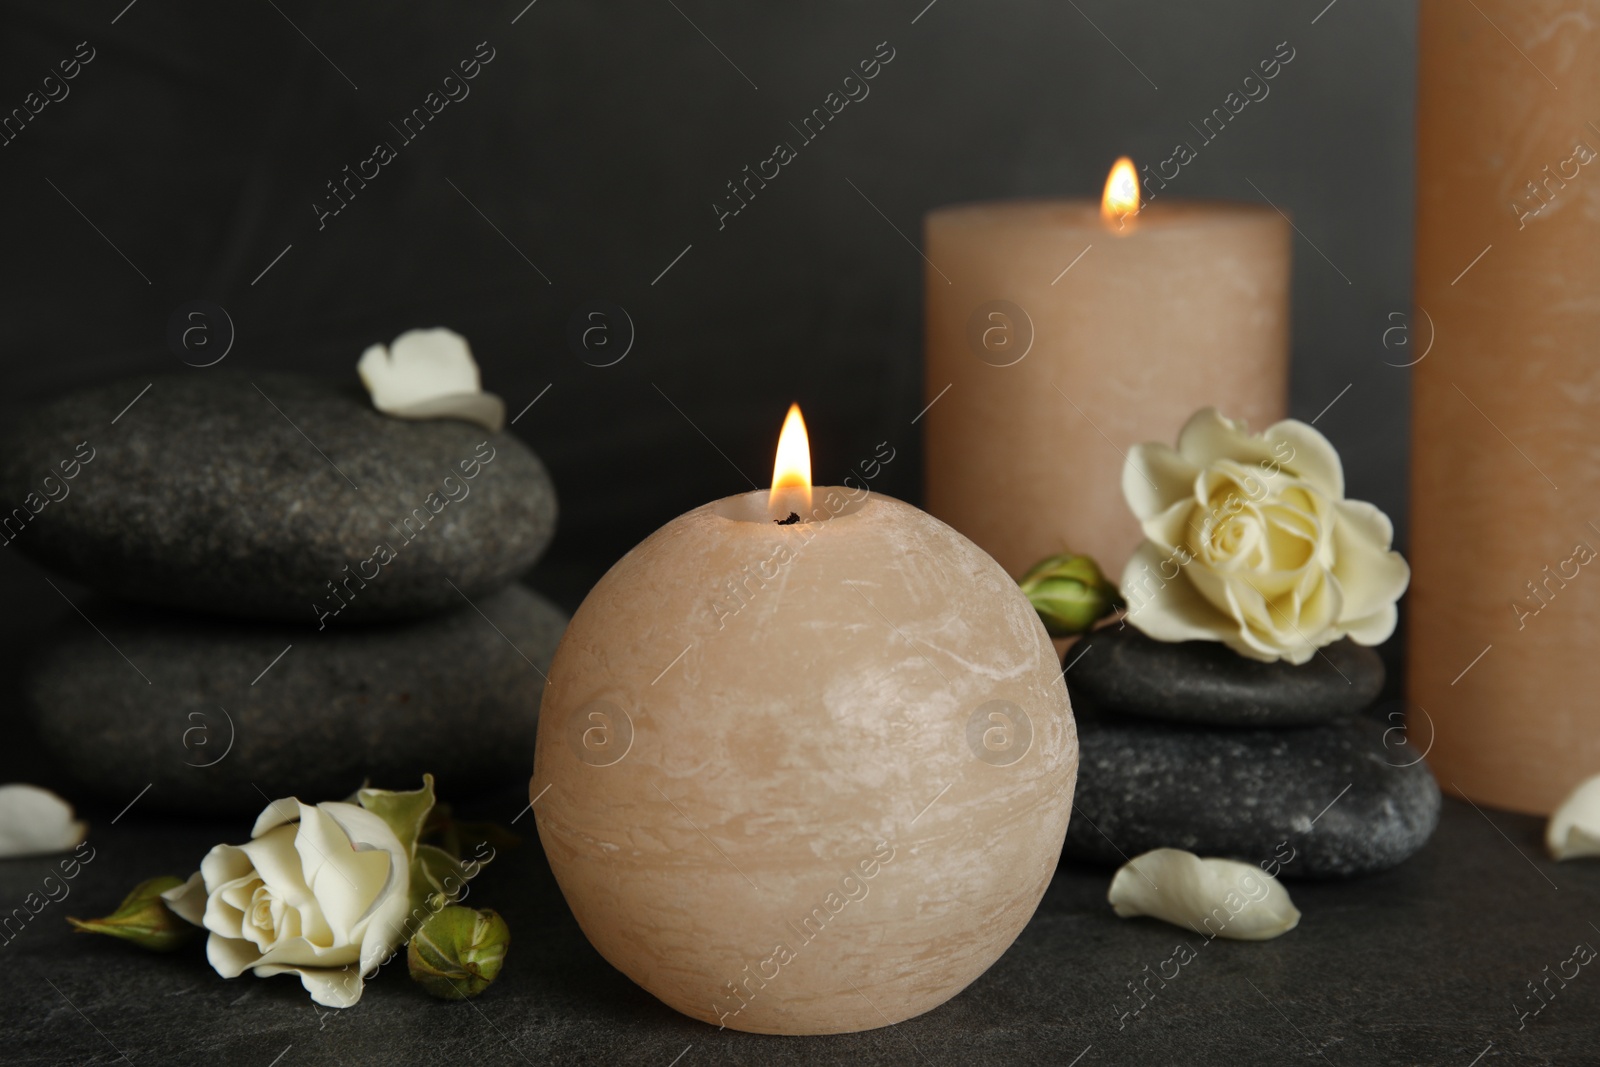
(216, 716)
(271, 496)
(1326, 801)
(1122, 670)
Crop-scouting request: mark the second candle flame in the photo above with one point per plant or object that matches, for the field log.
(1121, 197)
(791, 471)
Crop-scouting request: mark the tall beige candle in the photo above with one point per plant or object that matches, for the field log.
(1505, 607)
(804, 778)
(1056, 340)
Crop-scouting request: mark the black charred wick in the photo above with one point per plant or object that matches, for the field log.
(790, 521)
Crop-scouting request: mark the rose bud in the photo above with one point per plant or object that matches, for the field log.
(458, 951)
(1069, 593)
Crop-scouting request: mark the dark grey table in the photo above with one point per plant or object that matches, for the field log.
(1426, 964)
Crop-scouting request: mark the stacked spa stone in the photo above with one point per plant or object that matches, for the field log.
(1193, 746)
(290, 592)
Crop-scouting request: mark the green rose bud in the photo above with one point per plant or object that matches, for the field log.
(1069, 593)
(458, 952)
(143, 918)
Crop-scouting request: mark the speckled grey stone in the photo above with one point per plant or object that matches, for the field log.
(1122, 670)
(212, 714)
(249, 496)
(1346, 798)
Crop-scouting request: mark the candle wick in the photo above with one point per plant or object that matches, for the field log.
(790, 521)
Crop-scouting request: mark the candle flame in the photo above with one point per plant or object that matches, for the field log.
(1121, 197)
(791, 471)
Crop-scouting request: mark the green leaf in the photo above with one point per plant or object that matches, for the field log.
(437, 879)
(458, 952)
(406, 813)
(143, 918)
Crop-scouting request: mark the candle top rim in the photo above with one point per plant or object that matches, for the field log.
(1166, 213)
(751, 508)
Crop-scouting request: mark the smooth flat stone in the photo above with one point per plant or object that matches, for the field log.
(232, 712)
(249, 496)
(1345, 798)
(1122, 670)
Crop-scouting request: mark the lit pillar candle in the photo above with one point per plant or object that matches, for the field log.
(805, 761)
(1060, 333)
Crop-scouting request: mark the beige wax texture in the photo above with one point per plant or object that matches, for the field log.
(1040, 381)
(804, 779)
(1504, 611)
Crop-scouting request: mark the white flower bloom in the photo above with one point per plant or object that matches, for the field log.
(1212, 897)
(1251, 542)
(429, 374)
(35, 822)
(1574, 829)
(321, 891)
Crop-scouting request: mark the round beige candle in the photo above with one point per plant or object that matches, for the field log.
(1056, 340)
(805, 778)
(1504, 604)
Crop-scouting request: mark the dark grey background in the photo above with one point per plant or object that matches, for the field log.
(596, 142)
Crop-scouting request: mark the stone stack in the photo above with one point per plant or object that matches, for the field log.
(291, 591)
(1192, 746)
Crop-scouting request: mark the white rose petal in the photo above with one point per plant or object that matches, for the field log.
(1209, 436)
(429, 374)
(36, 822)
(1373, 577)
(1155, 478)
(230, 957)
(321, 891)
(332, 988)
(1176, 612)
(1315, 458)
(188, 901)
(1249, 541)
(1212, 897)
(1574, 830)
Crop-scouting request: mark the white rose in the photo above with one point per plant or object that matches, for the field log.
(320, 891)
(1251, 542)
(429, 374)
